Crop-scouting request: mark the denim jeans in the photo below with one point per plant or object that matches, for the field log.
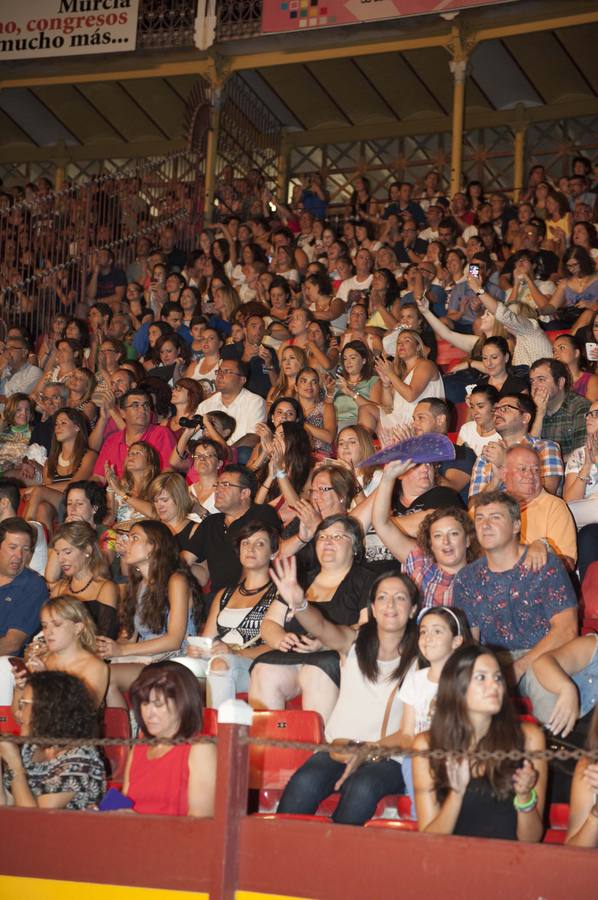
(360, 793)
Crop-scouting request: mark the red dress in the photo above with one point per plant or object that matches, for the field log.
(160, 787)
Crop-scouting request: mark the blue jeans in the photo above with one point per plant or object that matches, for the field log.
(360, 793)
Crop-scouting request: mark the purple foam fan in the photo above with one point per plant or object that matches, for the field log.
(427, 448)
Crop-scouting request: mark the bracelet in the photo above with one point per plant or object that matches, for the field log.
(526, 807)
(300, 539)
(587, 480)
(280, 473)
(302, 607)
(179, 455)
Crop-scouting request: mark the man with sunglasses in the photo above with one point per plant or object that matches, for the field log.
(136, 407)
(232, 397)
(213, 544)
(513, 416)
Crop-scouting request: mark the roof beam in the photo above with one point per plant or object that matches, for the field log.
(190, 62)
(113, 150)
(407, 127)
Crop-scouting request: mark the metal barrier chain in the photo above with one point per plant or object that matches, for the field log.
(365, 751)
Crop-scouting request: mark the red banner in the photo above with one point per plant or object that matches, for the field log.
(292, 15)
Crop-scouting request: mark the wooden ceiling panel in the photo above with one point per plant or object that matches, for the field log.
(399, 85)
(580, 44)
(304, 97)
(431, 66)
(113, 102)
(81, 119)
(547, 67)
(352, 91)
(12, 135)
(160, 102)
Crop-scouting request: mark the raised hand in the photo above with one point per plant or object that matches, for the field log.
(284, 576)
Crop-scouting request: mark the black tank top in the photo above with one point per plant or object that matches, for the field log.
(484, 815)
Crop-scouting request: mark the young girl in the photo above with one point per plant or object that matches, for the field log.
(441, 630)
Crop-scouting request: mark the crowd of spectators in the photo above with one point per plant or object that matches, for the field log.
(185, 511)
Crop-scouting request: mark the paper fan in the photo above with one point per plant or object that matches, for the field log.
(427, 448)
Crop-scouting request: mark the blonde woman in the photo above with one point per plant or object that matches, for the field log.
(406, 381)
(70, 646)
(292, 360)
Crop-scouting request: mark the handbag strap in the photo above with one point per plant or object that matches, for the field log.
(389, 703)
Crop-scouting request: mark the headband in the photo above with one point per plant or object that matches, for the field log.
(431, 609)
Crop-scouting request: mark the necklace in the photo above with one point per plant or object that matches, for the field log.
(84, 588)
(245, 592)
(62, 462)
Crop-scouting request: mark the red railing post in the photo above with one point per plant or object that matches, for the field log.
(234, 719)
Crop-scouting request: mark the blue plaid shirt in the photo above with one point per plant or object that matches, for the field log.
(550, 460)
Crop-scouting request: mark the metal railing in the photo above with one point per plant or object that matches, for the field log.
(47, 241)
(166, 23)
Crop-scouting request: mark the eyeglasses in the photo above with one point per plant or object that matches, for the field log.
(507, 406)
(335, 538)
(136, 405)
(320, 490)
(229, 372)
(229, 484)
(136, 453)
(205, 456)
(592, 414)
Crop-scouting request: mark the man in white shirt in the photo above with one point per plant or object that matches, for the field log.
(17, 375)
(355, 289)
(433, 216)
(232, 397)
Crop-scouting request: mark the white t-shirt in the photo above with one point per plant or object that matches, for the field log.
(468, 435)
(352, 284)
(359, 710)
(247, 409)
(419, 692)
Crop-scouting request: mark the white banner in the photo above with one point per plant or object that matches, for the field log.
(29, 30)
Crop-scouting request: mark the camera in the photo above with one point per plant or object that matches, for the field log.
(191, 421)
(474, 270)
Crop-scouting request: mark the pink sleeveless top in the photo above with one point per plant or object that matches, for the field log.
(160, 787)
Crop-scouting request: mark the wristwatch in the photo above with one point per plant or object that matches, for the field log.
(480, 292)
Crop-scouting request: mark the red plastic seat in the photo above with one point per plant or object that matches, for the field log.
(116, 725)
(558, 815)
(8, 723)
(554, 836)
(398, 825)
(447, 355)
(210, 722)
(270, 768)
(461, 415)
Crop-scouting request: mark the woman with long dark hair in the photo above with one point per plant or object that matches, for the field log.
(291, 452)
(128, 496)
(375, 660)
(70, 460)
(493, 798)
(161, 606)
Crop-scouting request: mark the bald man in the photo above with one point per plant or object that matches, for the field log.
(544, 517)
